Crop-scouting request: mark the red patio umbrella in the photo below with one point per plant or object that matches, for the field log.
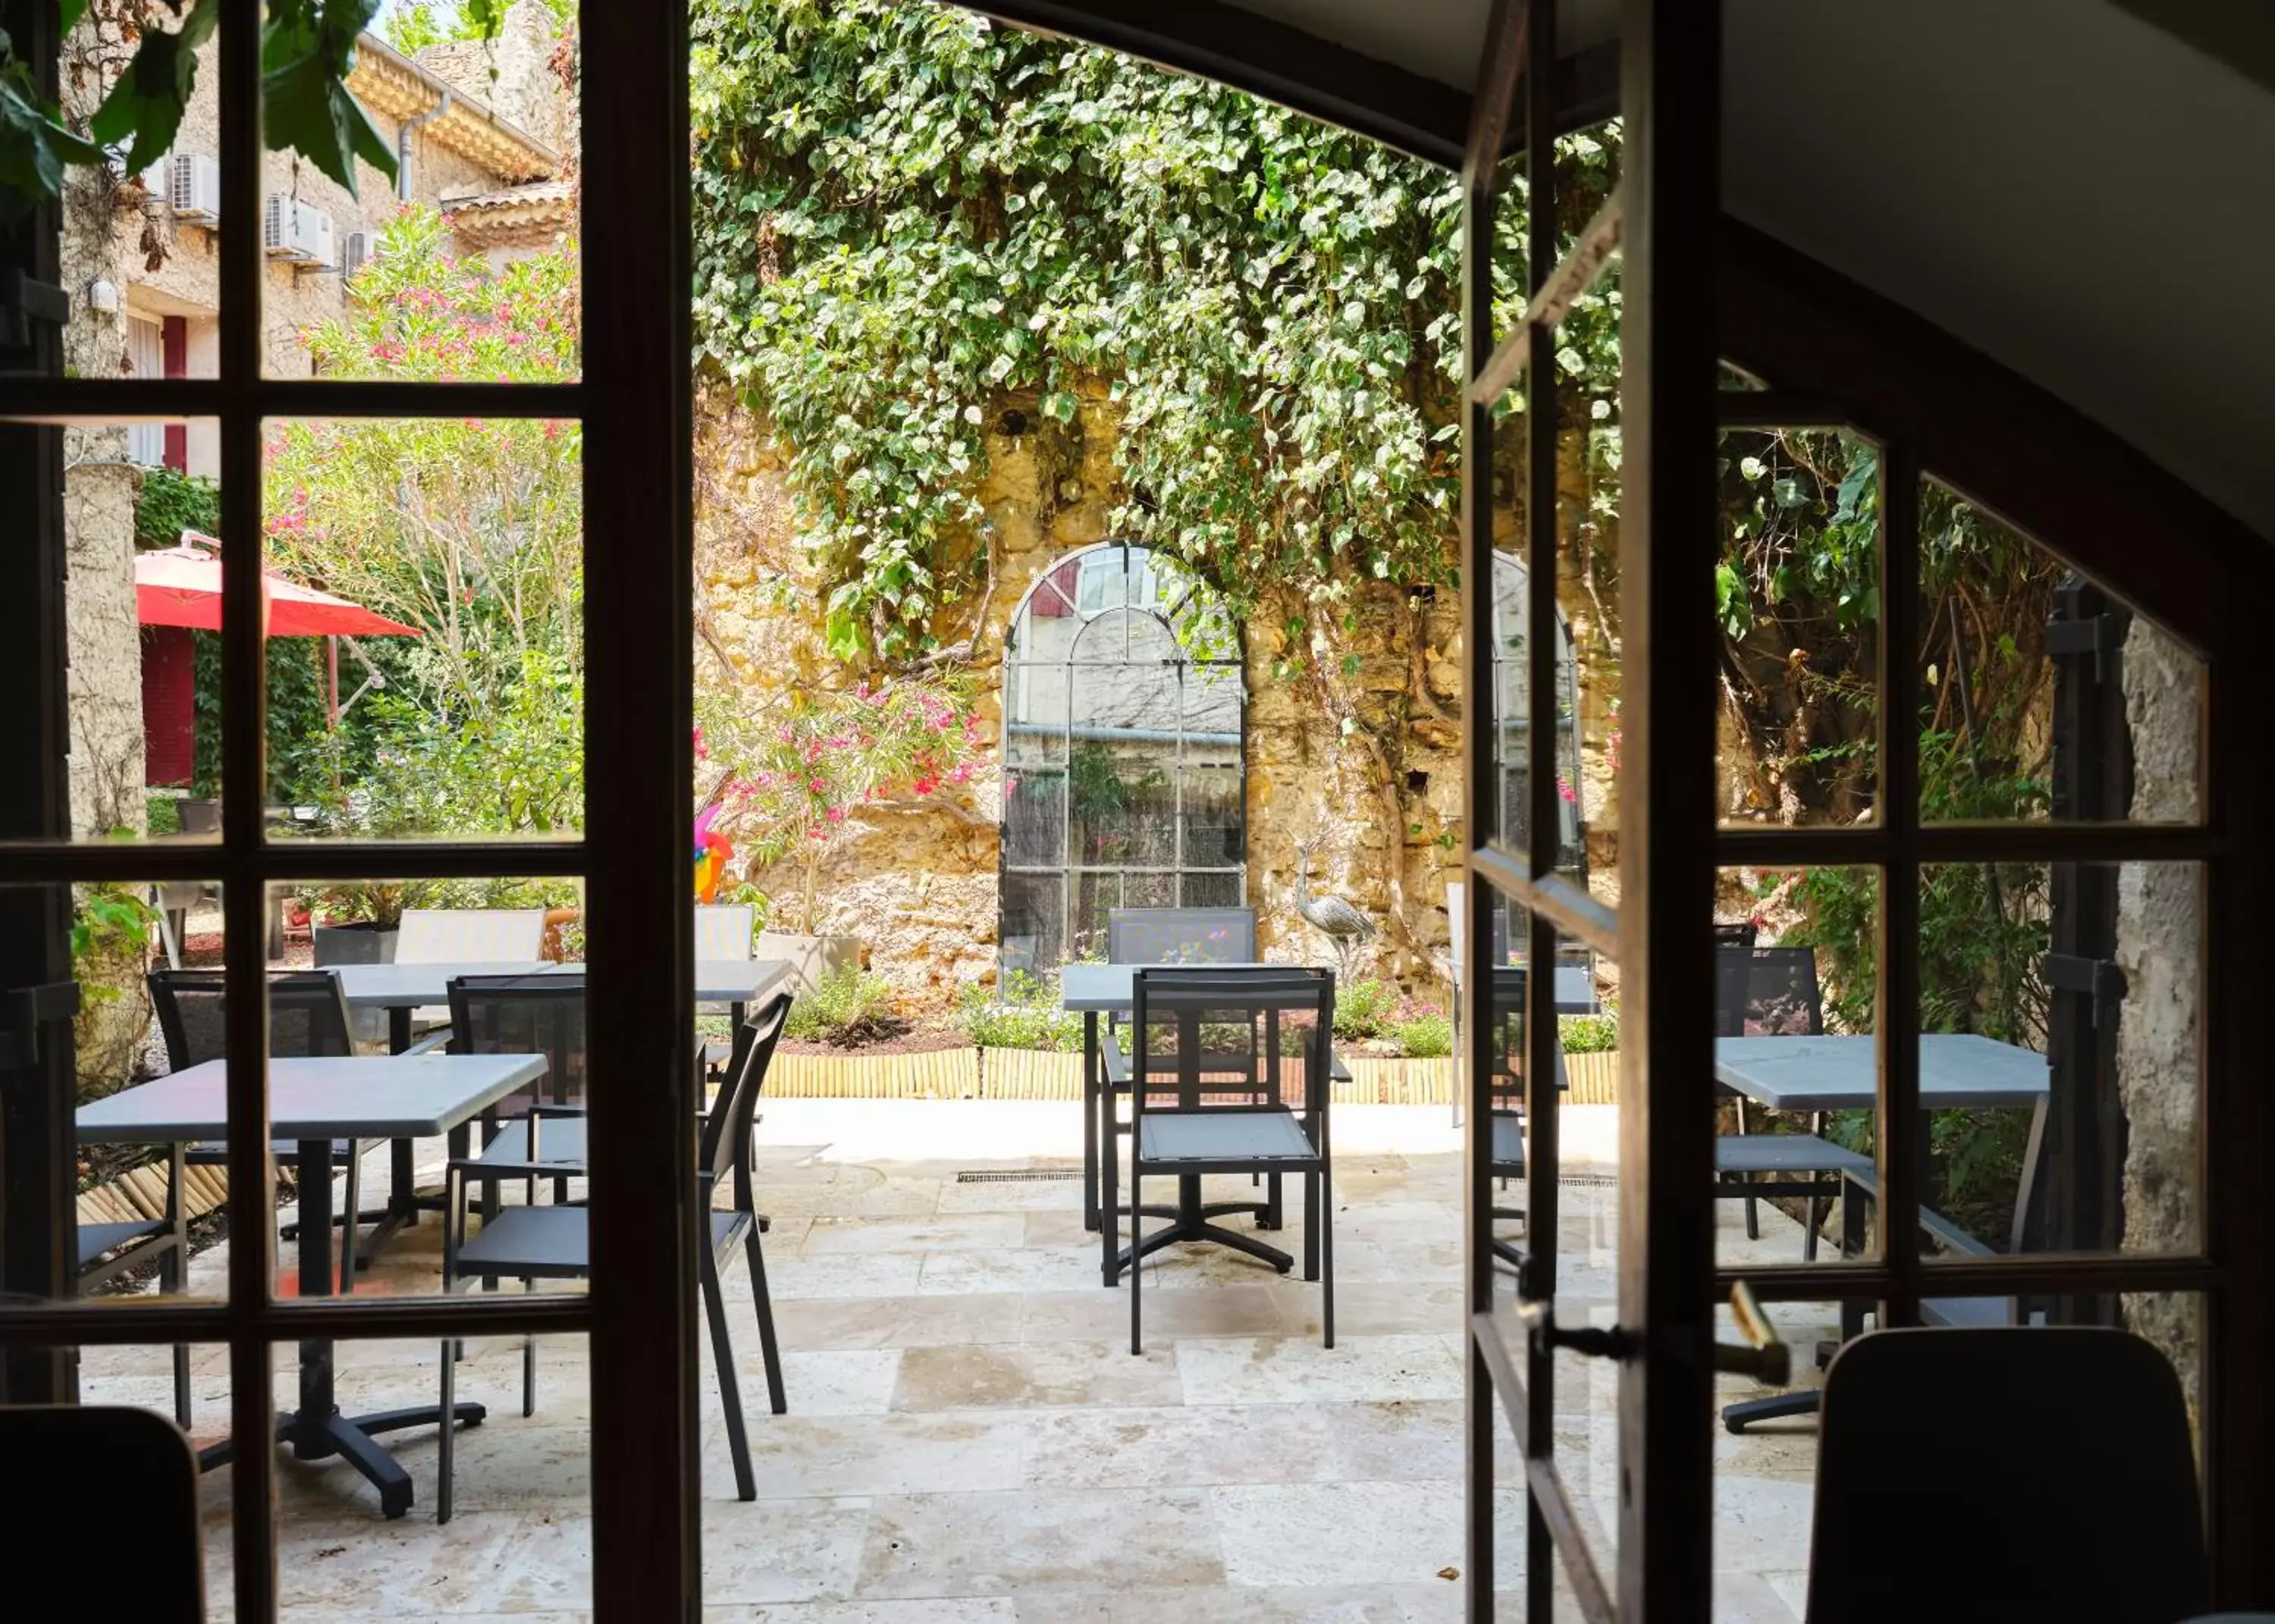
(182, 588)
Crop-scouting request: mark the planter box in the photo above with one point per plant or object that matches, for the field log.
(1594, 1078)
(362, 941)
(938, 1074)
(809, 957)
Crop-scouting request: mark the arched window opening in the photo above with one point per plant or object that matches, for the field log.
(1124, 783)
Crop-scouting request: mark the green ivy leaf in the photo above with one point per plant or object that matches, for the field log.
(306, 50)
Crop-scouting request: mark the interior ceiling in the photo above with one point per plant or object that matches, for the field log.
(2075, 187)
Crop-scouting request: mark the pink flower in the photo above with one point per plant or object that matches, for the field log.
(835, 814)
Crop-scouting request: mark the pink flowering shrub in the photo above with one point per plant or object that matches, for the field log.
(792, 781)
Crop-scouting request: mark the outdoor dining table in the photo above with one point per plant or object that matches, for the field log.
(1957, 1071)
(314, 1102)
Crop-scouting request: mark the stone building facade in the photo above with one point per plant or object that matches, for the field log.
(143, 276)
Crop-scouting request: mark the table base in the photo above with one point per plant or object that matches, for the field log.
(319, 1437)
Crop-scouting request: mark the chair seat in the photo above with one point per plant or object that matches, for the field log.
(530, 1240)
(97, 1239)
(727, 1229)
(1222, 1135)
(560, 1139)
(1785, 1153)
(214, 1153)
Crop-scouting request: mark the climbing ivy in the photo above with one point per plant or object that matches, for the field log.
(916, 230)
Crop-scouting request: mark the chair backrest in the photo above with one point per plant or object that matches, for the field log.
(1180, 936)
(1202, 1037)
(65, 1461)
(2058, 1459)
(470, 935)
(307, 1014)
(1767, 992)
(725, 1143)
(533, 1014)
(722, 929)
(1740, 935)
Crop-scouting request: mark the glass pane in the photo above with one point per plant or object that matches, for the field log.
(1033, 933)
(1765, 1441)
(463, 263)
(519, 1539)
(2043, 696)
(1035, 818)
(151, 1206)
(186, 1382)
(1122, 803)
(1796, 1065)
(139, 623)
(1212, 714)
(1796, 598)
(2064, 1005)
(1149, 890)
(1211, 890)
(1035, 712)
(426, 627)
(1214, 813)
(1095, 895)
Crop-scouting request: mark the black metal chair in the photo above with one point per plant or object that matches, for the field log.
(1773, 993)
(541, 1014)
(2092, 1510)
(553, 1243)
(107, 1250)
(307, 1018)
(1258, 1113)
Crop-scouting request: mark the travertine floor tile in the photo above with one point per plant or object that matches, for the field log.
(960, 1232)
(796, 1454)
(1030, 1543)
(1287, 1370)
(1034, 1375)
(774, 1550)
(898, 1322)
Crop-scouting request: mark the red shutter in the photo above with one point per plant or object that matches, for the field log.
(176, 339)
(170, 706)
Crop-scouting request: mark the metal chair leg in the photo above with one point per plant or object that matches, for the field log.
(351, 1230)
(730, 1398)
(528, 1363)
(449, 1433)
(1753, 1208)
(170, 1284)
(777, 1400)
(1137, 1240)
(1327, 1250)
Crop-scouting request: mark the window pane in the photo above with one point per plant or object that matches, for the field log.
(1035, 818)
(426, 623)
(1033, 933)
(151, 1207)
(1096, 894)
(1214, 815)
(1796, 598)
(139, 628)
(1210, 890)
(1796, 1065)
(2069, 998)
(462, 265)
(1035, 712)
(2042, 697)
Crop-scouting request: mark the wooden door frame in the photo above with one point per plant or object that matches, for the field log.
(635, 402)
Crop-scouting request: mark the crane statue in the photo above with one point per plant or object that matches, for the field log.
(1345, 925)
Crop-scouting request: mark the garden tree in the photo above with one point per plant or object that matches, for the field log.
(470, 529)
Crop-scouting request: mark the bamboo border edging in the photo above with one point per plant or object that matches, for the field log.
(936, 1074)
(139, 1196)
(1594, 1078)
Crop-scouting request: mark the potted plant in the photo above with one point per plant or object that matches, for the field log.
(782, 789)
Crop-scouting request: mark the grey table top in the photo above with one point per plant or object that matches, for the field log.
(1104, 988)
(358, 1096)
(1841, 1073)
(388, 986)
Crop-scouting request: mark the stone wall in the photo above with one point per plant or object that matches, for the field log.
(1379, 800)
(2160, 948)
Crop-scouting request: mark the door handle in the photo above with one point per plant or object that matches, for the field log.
(1763, 1355)
(1539, 1319)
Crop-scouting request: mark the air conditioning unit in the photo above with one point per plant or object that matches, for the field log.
(356, 249)
(291, 230)
(192, 186)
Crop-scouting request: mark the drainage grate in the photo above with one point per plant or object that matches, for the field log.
(1016, 1176)
(1586, 1180)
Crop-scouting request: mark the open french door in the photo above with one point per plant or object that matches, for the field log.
(1635, 1543)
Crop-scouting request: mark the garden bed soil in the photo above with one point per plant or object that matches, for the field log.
(916, 1041)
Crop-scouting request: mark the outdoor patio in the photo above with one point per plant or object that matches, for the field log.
(968, 1437)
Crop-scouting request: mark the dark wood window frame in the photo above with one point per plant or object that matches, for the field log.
(634, 401)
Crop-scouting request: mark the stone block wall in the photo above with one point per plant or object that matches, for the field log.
(1379, 802)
